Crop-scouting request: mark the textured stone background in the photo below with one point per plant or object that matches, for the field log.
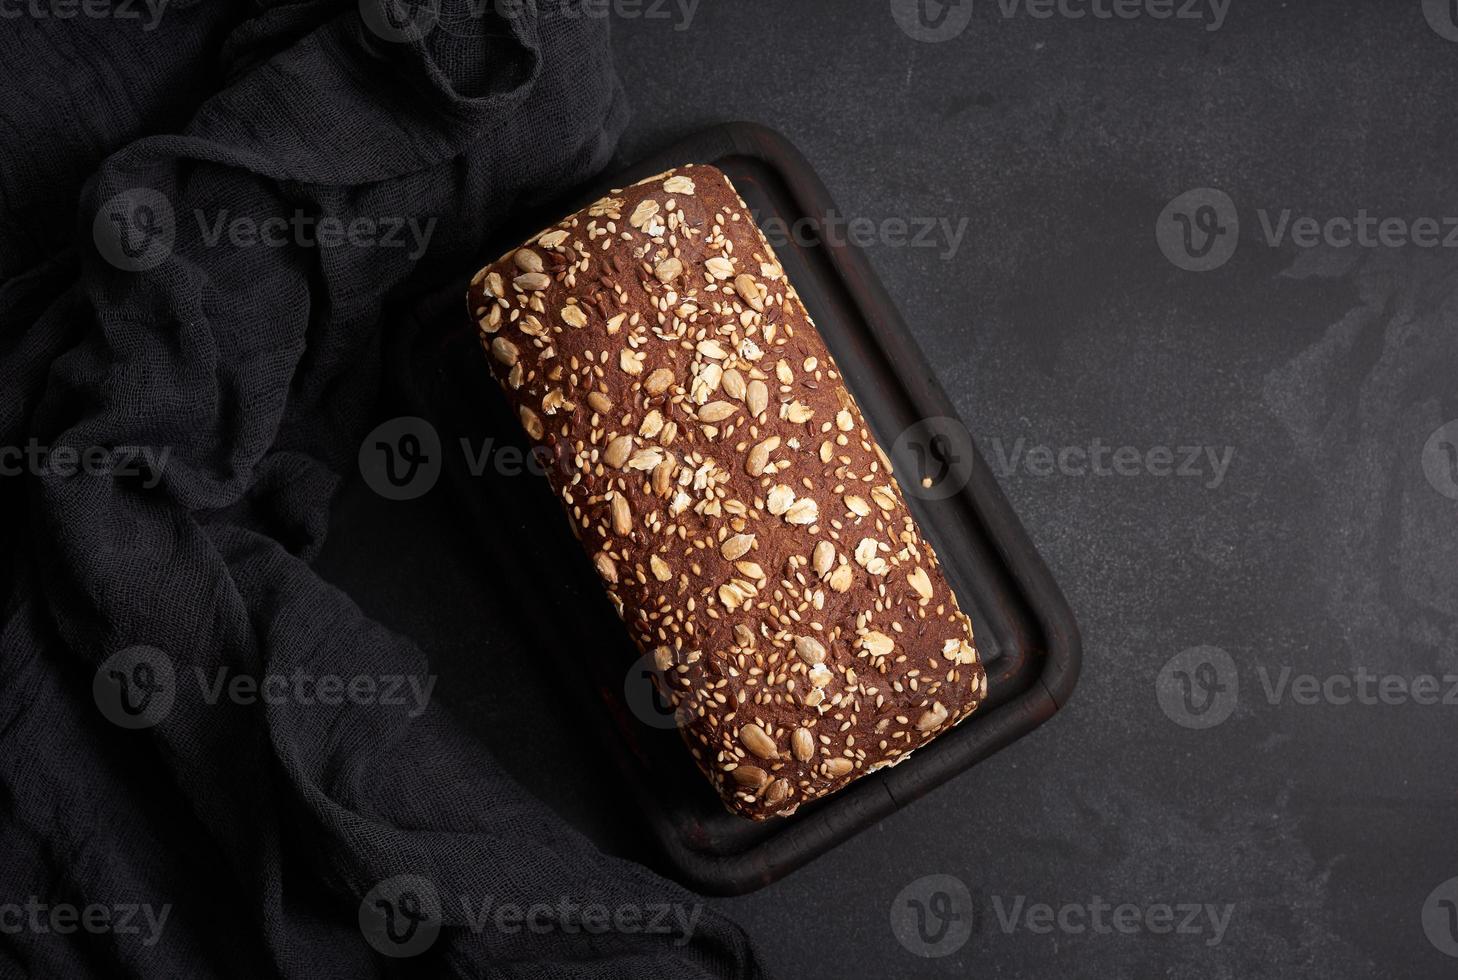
(1322, 549)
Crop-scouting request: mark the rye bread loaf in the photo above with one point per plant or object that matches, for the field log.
(742, 517)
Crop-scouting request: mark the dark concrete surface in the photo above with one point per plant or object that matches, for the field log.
(1315, 543)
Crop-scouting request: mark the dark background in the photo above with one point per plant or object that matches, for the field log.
(1059, 321)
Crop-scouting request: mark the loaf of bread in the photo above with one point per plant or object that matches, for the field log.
(742, 517)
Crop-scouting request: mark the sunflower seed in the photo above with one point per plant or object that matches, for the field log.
(553, 238)
(756, 396)
(622, 514)
(492, 322)
(616, 453)
(504, 351)
(840, 579)
(706, 382)
(839, 766)
(810, 650)
(958, 651)
(748, 291)
(822, 558)
(663, 477)
(531, 423)
(527, 260)
(803, 744)
(606, 567)
(533, 282)
(646, 459)
(736, 547)
(797, 412)
(884, 498)
(759, 456)
(606, 206)
(750, 569)
(752, 777)
(803, 511)
(716, 412)
(933, 717)
(921, 583)
(757, 742)
(778, 791)
(719, 267)
(734, 384)
(711, 348)
(857, 505)
(645, 212)
(876, 643)
(657, 382)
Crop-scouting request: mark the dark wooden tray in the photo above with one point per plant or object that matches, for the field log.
(1024, 627)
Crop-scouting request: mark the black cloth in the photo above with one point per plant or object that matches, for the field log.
(274, 833)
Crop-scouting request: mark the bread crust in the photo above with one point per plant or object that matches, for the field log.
(722, 479)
